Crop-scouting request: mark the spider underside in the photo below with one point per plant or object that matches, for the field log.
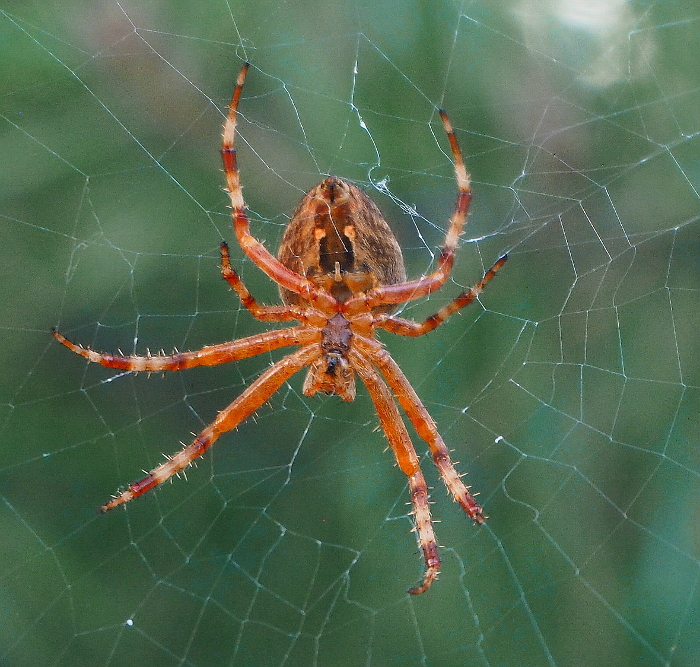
(341, 275)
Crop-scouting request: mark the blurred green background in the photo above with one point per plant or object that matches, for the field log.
(570, 393)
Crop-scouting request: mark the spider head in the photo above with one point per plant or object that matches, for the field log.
(331, 373)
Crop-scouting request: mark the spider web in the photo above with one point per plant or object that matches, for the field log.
(569, 392)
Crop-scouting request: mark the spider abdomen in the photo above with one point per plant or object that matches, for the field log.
(338, 239)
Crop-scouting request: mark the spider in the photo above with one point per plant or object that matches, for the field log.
(341, 275)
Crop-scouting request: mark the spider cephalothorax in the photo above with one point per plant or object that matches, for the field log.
(341, 275)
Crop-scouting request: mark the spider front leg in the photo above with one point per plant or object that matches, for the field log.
(424, 425)
(247, 403)
(406, 457)
(211, 355)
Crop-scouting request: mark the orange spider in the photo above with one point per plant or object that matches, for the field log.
(341, 275)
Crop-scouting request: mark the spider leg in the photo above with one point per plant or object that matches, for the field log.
(261, 312)
(406, 457)
(414, 289)
(249, 401)
(403, 327)
(424, 425)
(255, 250)
(211, 355)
